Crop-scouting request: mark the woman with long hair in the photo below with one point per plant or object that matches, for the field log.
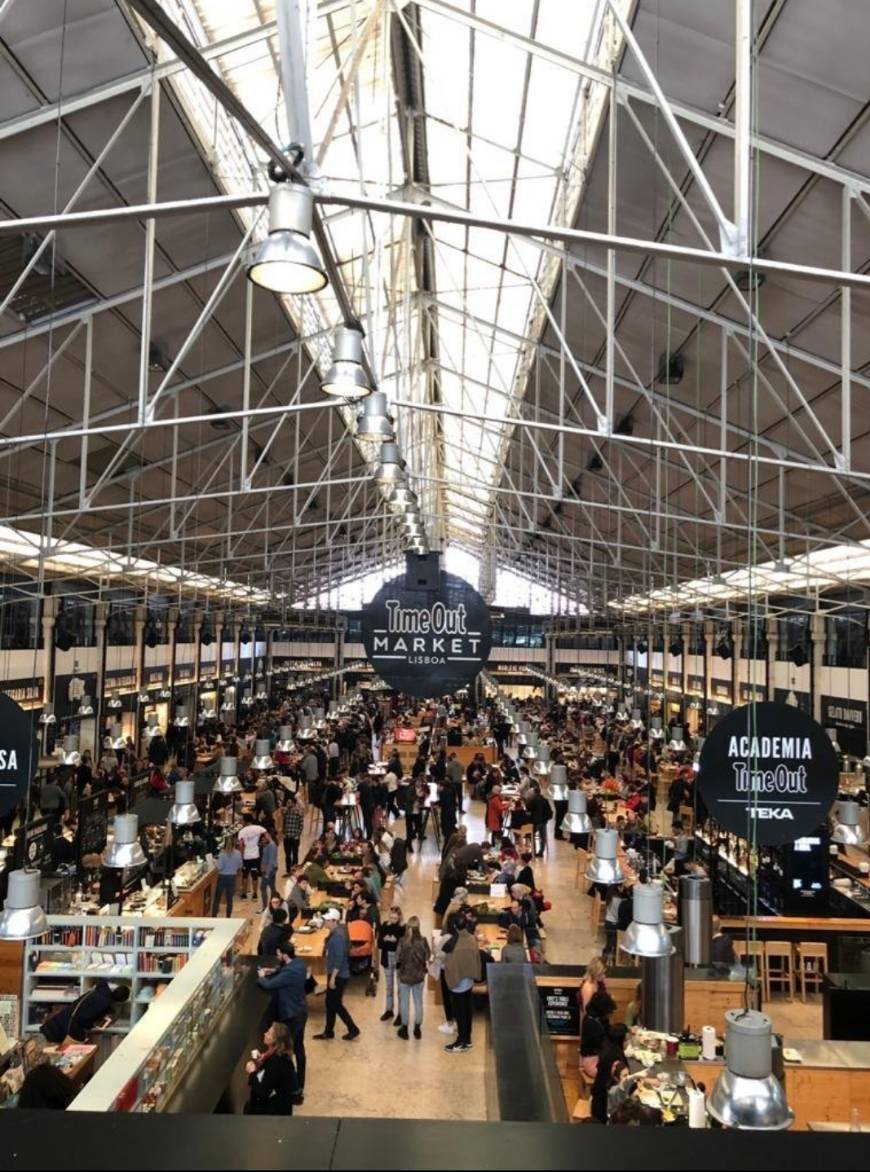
(412, 963)
(272, 1075)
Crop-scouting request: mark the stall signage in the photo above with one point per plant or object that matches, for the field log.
(849, 718)
(768, 771)
(561, 1009)
(34, 844)
(427, 641)
(19, 753)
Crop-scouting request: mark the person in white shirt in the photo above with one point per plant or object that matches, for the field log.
(392, 784)
(333, 754)
(250, 841)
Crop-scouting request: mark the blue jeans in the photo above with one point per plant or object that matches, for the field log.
(405, 992)
(226, 885)
(391, 979)
(267, 884)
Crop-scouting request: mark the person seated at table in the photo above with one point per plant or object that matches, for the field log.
(722, 951)
(277, 931)
(508, 872)
(357, 836)
(361, 907)
(299, 897)
(523, 913)
(633, 1009)
(329, 840)
(632, 1113)
(514, 951)
(373, 880)
(593, 1031)
(526, 875)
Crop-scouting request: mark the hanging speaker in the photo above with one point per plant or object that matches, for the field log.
(676, 647)
(797, 655)
(152, 635)
(63, 636)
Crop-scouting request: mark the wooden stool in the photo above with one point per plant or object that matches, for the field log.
(812, 961)
(687, 817)
(580, 868)
(779, 966)
(597, 911)
(752, 955)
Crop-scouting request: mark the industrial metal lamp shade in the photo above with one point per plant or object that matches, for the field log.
(247, 698)
(262, 755)
(636, 720)
(116, 735)
(227, 781)
(125, 850)
(86, 708)
(390, 468)
(542, 765)
(655, 731)
(646, 935)
(144, 696)
(184, 811)
(530, 752)
(114, 701)
(403, 500)
(285, 739)
(228, 706)
(557, 790)
(523, 734)
(603, 866)
(182, 719)
(848, 830)
(22, 918)
(70, 752)
(374, 422)
(576, 821)
(47, 715)
(346, 378)
(287, 261)
(208, 713)
(152, 730)
(747, 1095)
(676, 744)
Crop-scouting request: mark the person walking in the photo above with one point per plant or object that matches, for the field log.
(290, 982)
(390, 933)
(292, 830)
(229, 863)
(338, 973)
(462, 969)
(412, 962)
(268, 868)
(250, 837)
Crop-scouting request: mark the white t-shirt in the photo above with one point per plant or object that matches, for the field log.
(392, 782)
(249, 838)
(333, 750)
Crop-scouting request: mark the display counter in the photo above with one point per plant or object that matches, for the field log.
(147, 1070)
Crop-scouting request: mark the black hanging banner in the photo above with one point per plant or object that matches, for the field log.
(19, 753)
(849, 718)
(427, 634)
(770, 766)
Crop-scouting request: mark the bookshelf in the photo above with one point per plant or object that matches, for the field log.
(76, 952)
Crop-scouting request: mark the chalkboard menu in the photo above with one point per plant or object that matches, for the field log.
(33, 846)
(93, 824)
(561, 1009)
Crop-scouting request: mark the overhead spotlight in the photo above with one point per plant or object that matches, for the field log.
(403, 499)
(287, 261)
(157, 360)
(391, 467)
(374, 421)
(346, 378)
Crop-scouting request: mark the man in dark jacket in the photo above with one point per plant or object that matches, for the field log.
(78, 1019)
(275, 934)
(447, 807)
(289, 984)
(540, 813)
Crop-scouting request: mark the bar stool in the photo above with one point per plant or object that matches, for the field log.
(752, 955)
(580, 867)
(597, 910)
(812, 960)
(779, 966)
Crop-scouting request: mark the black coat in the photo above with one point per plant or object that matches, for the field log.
(271, 936)
(273, 1087)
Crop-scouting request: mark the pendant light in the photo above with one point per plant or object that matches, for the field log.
(228, 705)
(165, 692)
(144, 696)
(153, 729)
(713, 707)
(603, 867)
(285, 739)
(47, 715)
(655, 732)
(647, 935)
(390, 468)
(542, 765)
(70, 751)
(262, 693)
(522, 735)
(247, 698)
(306, 733)
(262, 755)
(86, 708)
(124, 850)
(22, 918)
(116, 737)
(621, 715)
(184, 811)
(557, 790)
(227, 781)
(847, 830)
(287, 261)
(346, 378)
(208, 713)
(791, 699)
(114, 701)
(402, 499)
(374, 421)
(747, 1096)
(182, 717)
(636, 721)
(530, 752)
(676, 744)
(696, 760)
(832, 736)
(576, 821)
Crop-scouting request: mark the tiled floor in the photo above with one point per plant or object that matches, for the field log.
(381, 1075)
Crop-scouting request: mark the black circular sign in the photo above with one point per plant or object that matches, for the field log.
(427, 641)
(19, 753)
(771, 767)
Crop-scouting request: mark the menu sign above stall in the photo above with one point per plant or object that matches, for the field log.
(768, 771)
(19, 753)
(427, 640)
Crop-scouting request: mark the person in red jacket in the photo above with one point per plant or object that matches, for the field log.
(496, 808)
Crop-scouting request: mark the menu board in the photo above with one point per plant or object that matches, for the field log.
(561, 1009)
(33, 848)
(93, 824)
